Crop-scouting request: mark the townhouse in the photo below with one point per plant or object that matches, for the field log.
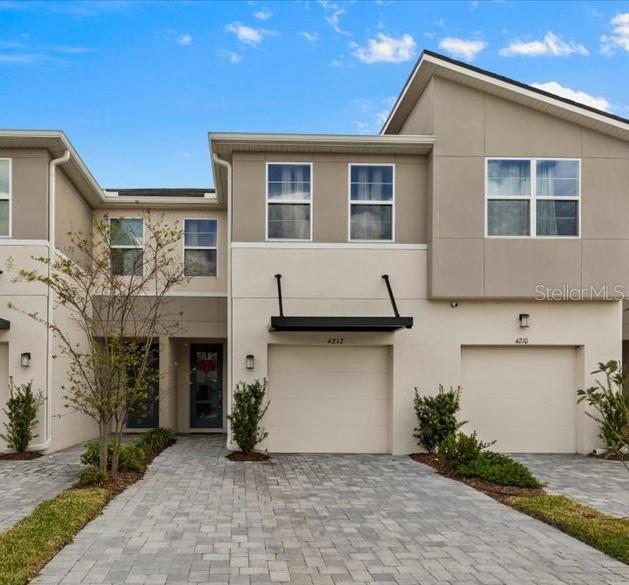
(478, 241)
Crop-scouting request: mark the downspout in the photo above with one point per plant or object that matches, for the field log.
(230, 360)
(52, 185)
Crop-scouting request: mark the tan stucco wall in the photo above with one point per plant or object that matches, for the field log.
(72, 214)
(29, 205)
(330, 201)
(347, 282)
(471, 125)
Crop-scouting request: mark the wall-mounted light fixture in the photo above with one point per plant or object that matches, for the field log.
(250, 361)
(524, 319)
(25, 359)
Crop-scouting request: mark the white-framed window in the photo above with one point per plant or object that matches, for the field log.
(289, 201)
(5, 197)
(371, 202)
(533, 197)
(126, 239)
(200, 248)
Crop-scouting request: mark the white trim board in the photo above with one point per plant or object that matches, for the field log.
(330, 245)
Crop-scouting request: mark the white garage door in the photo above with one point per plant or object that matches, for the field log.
(328, 399)
(523, 397)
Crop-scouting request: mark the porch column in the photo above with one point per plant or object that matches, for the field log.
(167, 385)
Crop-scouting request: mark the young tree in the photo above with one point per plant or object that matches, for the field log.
(119, 315)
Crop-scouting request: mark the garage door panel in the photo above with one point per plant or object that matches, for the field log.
(328, 399)
(524, 398)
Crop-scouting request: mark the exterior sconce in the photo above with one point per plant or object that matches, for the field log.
(524, 320)
(25, 359)
(250, 362)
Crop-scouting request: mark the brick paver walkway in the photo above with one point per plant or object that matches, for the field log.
(595, 482)
(24, 484)
(316, 520)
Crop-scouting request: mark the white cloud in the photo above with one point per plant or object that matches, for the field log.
(386, 49)
(575, 95)
(619, 39)
(248, 34)
(184, 40)
(231, 56)
(377, 114)
(462, 48)
(551, 45)
(311, 37)
(263, 14)
(332, 15)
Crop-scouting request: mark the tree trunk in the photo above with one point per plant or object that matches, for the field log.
(103, 437)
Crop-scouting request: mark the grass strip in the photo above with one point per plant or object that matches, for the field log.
(27, 546)
(605, 533)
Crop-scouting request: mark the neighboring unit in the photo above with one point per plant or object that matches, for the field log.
(476, 241)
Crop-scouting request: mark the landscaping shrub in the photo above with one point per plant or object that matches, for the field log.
(460, 449)
(247, 413)
(436, 416)
(500, 469)
(132, 456)
(92, 475)
(156, 440)
(21, 412)
(610, 400)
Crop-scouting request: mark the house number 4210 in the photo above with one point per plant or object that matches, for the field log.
(335, 340)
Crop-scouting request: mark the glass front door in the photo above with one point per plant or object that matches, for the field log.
(206, 386)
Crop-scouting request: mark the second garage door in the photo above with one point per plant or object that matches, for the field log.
(522, 397)
(328, 399)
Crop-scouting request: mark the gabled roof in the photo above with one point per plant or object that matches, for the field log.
(431, 64)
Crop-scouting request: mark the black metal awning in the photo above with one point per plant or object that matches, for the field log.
(4, 324)
(374, 324)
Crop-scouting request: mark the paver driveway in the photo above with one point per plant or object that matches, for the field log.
(24, 484)
(594, 482)
(316, 519)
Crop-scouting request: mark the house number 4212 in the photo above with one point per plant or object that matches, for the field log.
(335, 340)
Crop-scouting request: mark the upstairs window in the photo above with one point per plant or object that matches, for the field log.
(127, 246)
(289, 201)
(533, 197)
(371, 197)
(200, 250)
(5, 197)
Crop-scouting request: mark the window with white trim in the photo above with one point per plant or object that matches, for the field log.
(533, 197)
(5, 197)
(371, 197)
(200, 251)
(126, 240)
(289, 201)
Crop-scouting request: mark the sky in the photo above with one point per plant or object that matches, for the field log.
(137, 86)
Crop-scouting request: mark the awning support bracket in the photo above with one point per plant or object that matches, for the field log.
(390, 290)
(278, 278)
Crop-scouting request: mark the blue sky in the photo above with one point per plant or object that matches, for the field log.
(137, 85)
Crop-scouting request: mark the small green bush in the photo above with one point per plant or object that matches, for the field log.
(132, 456)
(247, 413)
(460, 449)
(500, 469)
(436, 416)
(91, 476)
(21, 412)
(156, 440)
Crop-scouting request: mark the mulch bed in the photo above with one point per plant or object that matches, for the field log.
(493, 490)
(252, 456)
(610, 456)
(26, 456)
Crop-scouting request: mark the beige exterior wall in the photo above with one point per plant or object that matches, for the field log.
(72, 214)
(347, 282)
(330, 200)
(29, 205)
(471, 125)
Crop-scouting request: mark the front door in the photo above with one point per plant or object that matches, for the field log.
(206, 386)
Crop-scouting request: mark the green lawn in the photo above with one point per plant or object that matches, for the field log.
(605, 533)
(31, 543)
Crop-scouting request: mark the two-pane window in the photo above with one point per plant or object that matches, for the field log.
(200, 247)
(533, 197)
(371, 194)
(289, 201)
(126, 239)
(5, 197)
